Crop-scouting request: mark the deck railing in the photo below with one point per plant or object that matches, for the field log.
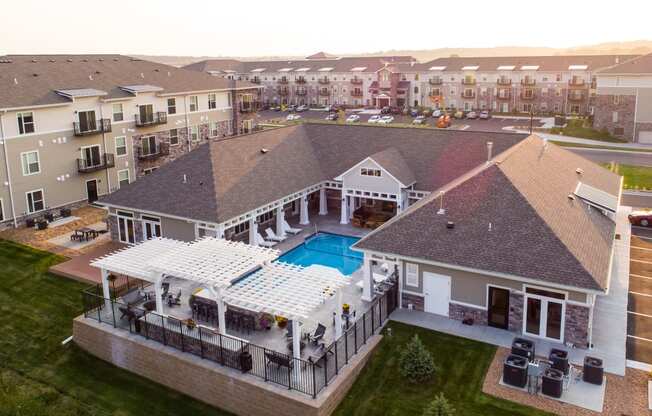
(309, 377)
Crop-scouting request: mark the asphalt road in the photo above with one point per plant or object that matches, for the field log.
(606, 156)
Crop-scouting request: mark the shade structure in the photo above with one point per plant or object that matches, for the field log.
(286, 290)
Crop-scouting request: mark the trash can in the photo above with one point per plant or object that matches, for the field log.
(523, 347)
(552, 383)
(515, 371)
(559, 360)
(593, 370)
(246, 361)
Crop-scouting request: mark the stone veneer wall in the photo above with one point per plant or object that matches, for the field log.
(576, 330)
(462, 312)
(228, 389)
(415, 300)
(515, 323)
(603, 117)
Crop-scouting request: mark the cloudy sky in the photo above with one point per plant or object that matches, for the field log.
(301, 27)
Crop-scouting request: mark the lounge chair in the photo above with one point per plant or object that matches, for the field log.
(318, 334)
(271, 235)
(261, 241)
(290, 230)
(281, 360)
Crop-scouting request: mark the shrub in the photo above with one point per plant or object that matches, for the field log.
(415, 362)
(439, 407)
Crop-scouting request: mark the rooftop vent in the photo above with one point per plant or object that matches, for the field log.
(441, 210)
(52, 60)
(34, 60)
(5, 61)
(490, 146)
(68, 60)
(579, 171)
(97, 72)
(84, 60)
(101, 59)
(16, 81)
(571, 197)
(35, 74)
(115, 59)
(157, 70)
(264, 150)
(450, 225)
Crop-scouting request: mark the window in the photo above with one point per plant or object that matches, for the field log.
(616, 99)
(148, 145)
(411, 274)
(614, 117)
(25, 123)
(151, 227)
(118, 114)
(30, 162)
(214, 129)
(212, 102)
(174, 137)
(194, 133)
(370, 172)
(241, 228)
(126, 229)
(172, 105)
(120, 146)
(194, 103)
(35, 202)
(123, 178)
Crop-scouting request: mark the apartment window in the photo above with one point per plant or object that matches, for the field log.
(174, 137)
(120, 146)
(527, 108)
(194, 133)
(411, 274)
(416, 90)
(30, 162)
(25, 123)
(194, 103)
(123, 178)
(118, 113)
(172, 105)
(212, 102)
(556, 108)
(214, 129)
(616, 99)
(35, 202)
(370, 172)
(614, 117)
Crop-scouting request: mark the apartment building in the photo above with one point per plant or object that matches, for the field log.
(624, 99)
(74, 128)
(539, 84)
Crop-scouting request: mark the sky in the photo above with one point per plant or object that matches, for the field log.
(299, 28)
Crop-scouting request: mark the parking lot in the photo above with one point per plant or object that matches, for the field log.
(493, 125)
(639, 308)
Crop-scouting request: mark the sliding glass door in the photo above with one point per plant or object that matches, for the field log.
(544, 314)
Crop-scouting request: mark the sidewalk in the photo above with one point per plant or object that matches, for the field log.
(587, 142)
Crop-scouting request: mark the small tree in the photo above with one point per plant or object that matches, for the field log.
(439, 407)
(415, 362)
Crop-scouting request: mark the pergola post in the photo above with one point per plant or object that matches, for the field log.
(158, 291)
(338, 315)
(303, 218)
(368, 282)
(253, 231)
(351, 206)
(220, 231)
(216, 291)
(106, 289)
(344, 218)
(323, 203)
(280, 218)
(296, 339)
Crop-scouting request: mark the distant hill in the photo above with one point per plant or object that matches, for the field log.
(423, 55)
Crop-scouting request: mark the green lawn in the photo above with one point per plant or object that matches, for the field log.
(636, 177)
(461, 367)
(39, 376)
(597, 146)
(582, 128)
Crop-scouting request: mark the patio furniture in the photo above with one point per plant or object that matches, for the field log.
(41, 224)
(174, 300)
(302, 345)
(49, 216)
(30, 222)
(150, 305)
(65, 212)
(76, 236)
(318, 335)
(271, 235)
(166, 288)
(281, 360)
(261, 241)
(133, 297)
(290, 230)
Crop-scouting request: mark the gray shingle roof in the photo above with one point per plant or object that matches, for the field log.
(637, 65)
(392, 161)
(514, 217)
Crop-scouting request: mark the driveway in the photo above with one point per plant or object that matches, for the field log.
(639, 308)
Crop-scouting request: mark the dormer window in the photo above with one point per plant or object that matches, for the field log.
(370, 172)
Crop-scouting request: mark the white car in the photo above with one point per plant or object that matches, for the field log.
(385, 120)
(292, 117)
(437, 113)
(353, 118)
(374, 119)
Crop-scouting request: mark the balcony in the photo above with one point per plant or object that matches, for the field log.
(161, 149)
(575, 97)
(324, 81)
(435, 81)
(324, 92)
(283, 91)
(300, 80)
(527, 95)
(529, 81)
(504, 81)
(249, 106)
(88, 129)
(504, 96)
(356, 81)
(105, 161)
(356, 93)
(576, 83)
(468, 94)
(160, 117)
(282, 81)
(302, 92)
(468, 81)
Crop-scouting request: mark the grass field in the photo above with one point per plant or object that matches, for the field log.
(461, 367)
(39, 376)
(581, 128)
(635, 177)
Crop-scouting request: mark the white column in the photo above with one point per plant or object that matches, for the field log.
(400, 283)
(106, 289)
(351, 206)
(296, 339)
(368, 283)
(338, 315)
(220, 231)
(221, 308)
(253, 231)
(280, 217)
(158, 292)
(344, 218)
(303, 218)
(323, 205)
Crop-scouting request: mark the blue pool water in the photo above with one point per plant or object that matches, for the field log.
(328, 250)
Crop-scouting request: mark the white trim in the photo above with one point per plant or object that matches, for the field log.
(416, 274)
(154, 223)
(468, 305)
(115, 145)
(27, 200)
(543, 317)
(368, 158)
(33, 123)
(22, 162)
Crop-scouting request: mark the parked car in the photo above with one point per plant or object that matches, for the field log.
(642, 218)
(353, 118)
(484, 115)
(385, 110)
(302, 108)
(472, 115)
(374, 119)
(385, 120)
(419, 120)
(331, 108)
(395, 110)
(414, 112)
(292, 108)
(459, 114)
(437, 113)
(331, 116)
(292, 117)
(275, 108)
(444, 121)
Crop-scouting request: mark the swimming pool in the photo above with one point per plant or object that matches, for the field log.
(327, 249)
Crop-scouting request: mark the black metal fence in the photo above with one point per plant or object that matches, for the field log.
(306, 376)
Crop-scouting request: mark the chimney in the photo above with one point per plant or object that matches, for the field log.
(490, 146)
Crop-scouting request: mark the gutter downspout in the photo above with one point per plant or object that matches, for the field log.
(185, 110)
(106, 170)
(6, 156)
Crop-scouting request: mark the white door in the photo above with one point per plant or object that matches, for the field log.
(645, 137)
(437, 293)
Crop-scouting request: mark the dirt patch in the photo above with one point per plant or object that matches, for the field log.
(624, 396)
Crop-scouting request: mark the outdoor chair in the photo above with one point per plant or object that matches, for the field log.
(261, 241)
(132, 298)
(166, 289)
(271, 235)
(175, 300)
(319, 333)
(281, 360)
(290, 230)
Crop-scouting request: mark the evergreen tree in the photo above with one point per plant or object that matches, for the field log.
(415, 362)
(439, 407)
